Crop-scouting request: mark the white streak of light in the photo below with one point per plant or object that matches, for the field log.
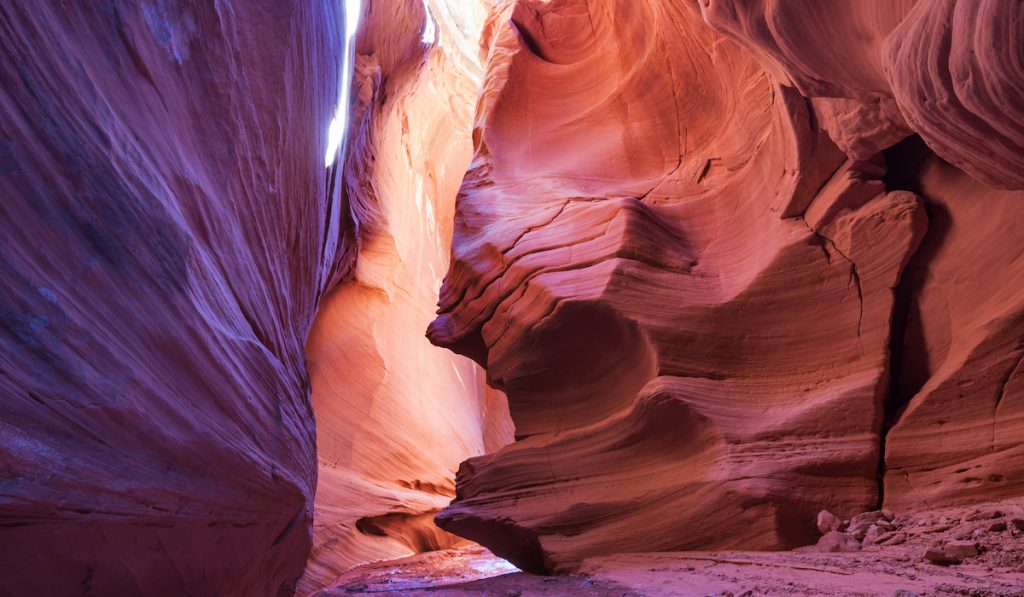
(339, 124)
(429, 28)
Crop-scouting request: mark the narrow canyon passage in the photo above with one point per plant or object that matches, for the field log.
(512, 297)
(396, 415)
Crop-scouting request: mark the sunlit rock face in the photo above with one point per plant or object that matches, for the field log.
(165, 241)
(395, 414)
(171, 233)
(678, 249)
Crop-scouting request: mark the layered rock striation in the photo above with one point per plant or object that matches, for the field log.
(678, 249)
(172, 237)
(395, 414)
(166, 238)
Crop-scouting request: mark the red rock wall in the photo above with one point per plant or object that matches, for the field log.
(170, 235)
(720, 285)
(165, 241)
(960, 438)
(395, 414)
(678, 250)
(952, 71)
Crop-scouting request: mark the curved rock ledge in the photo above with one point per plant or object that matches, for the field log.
(689, 204)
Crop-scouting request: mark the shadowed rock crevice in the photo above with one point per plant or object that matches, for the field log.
(906, 373)
(908, 370)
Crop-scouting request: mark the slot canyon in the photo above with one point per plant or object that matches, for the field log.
(512, 297)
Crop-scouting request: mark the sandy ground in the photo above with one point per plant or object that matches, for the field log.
(892, 570)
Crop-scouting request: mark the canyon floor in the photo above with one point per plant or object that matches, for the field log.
(996, 530)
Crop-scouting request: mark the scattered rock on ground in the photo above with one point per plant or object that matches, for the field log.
(937, 555)
(866, 518)
(828, 522)
(962, 549)
(836, 541)
(873, 533)
(982, 515)
(861, 523)
(895, 539)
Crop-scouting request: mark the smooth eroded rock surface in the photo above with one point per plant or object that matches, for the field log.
(678, 250)
(395, 414)
(165, 242)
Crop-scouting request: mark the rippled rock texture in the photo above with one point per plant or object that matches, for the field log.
(171, 240)
(165, 241)
(733, 262)
(686, 251)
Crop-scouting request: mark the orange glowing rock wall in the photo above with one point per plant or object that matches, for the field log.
(712, 300)
(395, 414)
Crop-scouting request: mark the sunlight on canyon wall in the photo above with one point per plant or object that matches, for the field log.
(395, 414)
(339, 123)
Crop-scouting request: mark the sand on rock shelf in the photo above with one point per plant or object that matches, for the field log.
(660, 297)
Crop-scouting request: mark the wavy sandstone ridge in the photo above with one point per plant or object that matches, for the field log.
(677, 250)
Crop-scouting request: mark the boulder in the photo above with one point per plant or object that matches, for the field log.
(835, 541)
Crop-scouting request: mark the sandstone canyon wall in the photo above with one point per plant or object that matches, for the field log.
(395, 414)
(171, 239)
(720, 289)
(732, 262)
(165, 244)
